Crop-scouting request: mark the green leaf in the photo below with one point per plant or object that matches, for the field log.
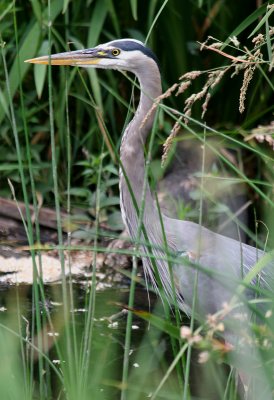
(96, 26)
(246, 22)
(97, 21)
(261, 23)
(28, 49)
(14, 166)
(110, 201)
(65, 6)
(133, 5)
(115, 221)
(114, 18)
(79, 192)
(160, 323)
(112, 169)
(6, 11)
(40, 71)
(37, 9)
(39, 78)
(268, 40)
(3, 103)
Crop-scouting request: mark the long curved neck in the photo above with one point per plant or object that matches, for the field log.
(132, 149)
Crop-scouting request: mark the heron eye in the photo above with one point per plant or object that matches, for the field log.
(115, 52)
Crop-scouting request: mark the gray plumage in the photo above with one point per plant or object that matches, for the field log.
(228, 259)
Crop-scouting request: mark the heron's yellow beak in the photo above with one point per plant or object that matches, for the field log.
(78, 57)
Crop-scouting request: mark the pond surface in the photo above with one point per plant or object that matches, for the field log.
(150, 352)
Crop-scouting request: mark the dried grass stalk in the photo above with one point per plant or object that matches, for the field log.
(263, 133)
(214, 77)
(168, 143)
(248, 75)
(190, 75)
(183, 87)
(247, 63)
(157, 101)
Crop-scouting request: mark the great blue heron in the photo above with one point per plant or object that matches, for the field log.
(222, 262)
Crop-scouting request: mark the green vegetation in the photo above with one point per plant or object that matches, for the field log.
(60, 135)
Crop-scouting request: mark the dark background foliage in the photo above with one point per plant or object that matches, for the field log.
(81, 24)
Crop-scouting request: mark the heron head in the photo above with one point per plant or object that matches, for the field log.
(125, 54)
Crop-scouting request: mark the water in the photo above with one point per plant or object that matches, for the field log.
(150, 351)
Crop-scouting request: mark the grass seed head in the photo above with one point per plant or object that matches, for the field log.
(204, 356)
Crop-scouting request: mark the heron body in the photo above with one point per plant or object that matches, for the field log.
(225, 261)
